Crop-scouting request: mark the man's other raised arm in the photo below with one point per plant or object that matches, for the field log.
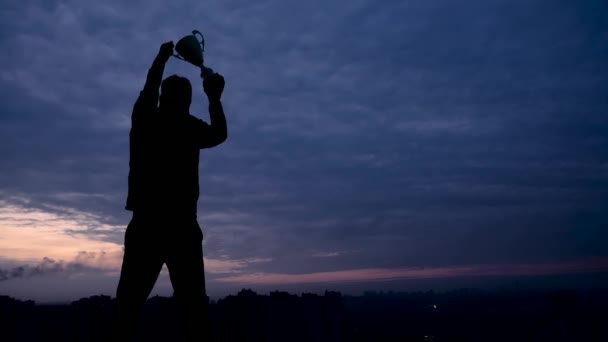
(215, 133)
(148, 97)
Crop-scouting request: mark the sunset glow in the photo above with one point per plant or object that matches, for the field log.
(363, 275)
(29, 235)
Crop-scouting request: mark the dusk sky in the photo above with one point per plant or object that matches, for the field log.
(372, 144)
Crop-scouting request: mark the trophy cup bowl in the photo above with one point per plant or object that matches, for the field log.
(190, 49)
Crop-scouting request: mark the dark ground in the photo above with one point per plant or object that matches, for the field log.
(461, 315)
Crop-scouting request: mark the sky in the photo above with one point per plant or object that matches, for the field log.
(372, 144)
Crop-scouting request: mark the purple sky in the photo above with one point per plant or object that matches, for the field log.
(370, 143)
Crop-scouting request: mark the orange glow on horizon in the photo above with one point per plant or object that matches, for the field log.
(592, 265)
(30, 235)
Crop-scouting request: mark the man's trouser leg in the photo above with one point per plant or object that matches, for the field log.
(186, 270)
(141, 266)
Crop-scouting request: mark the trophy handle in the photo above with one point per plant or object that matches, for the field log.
(202, 41)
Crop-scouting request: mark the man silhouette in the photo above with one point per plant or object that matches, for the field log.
(165, 141)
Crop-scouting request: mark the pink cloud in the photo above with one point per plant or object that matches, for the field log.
(591, 265)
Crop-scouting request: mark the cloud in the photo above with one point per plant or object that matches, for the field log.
(223, 266)
(328, 254)
(109, 263)
(84, 261)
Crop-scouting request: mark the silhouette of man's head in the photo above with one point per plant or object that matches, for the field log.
(176, 94)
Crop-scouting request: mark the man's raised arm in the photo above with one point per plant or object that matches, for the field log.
(148, 97)
(215, 133)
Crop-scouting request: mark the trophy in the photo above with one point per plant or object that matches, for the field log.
(190, 49)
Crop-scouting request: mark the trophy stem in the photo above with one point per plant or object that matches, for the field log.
(206, 72)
